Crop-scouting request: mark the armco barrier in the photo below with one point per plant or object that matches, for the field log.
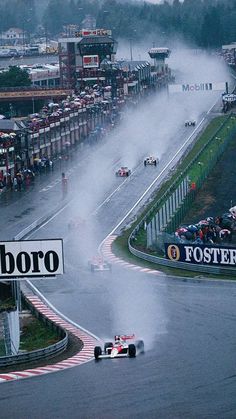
(49, 351)
(57, 347)
(149, 216)
(214, 270)
(38, 354)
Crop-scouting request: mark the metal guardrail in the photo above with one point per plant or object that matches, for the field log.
(38, 354)
(147, 216)
(214, 270)
(50, 350)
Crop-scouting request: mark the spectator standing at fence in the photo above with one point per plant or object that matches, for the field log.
(64, 181)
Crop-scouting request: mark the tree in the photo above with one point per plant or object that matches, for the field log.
(211, 30)
(14, 77)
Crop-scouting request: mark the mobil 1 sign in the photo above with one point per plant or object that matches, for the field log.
(31, 258)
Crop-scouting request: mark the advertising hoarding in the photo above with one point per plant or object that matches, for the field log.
(93, 32)
(31, 258)
(197, 87)
(90, 61)
(201, 254)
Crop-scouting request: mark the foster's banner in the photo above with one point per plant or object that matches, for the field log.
(31, 258)
(201, 254)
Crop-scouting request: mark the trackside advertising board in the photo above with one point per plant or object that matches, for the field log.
(201, 254)
(90, 61)
(31, 258)
(196, 87)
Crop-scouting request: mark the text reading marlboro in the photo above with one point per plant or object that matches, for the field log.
(31, 258)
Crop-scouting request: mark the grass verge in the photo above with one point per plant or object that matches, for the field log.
(36, 335)
(120, 245)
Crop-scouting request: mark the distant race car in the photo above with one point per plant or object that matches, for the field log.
(76, 223)
(123, 171)
(99, 264)
(120, 348)
(190, 123)
(151, 161)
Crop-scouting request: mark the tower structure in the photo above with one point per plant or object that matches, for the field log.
(80, 56)
(159, 56)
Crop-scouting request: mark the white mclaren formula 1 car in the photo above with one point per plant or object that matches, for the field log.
(120, 348)
(152, 161)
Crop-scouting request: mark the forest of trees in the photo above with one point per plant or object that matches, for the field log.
(206, 23)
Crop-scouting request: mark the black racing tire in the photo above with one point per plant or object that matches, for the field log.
(155, 163)
(145, 163)
(107, 345)
(97, 352)
(140, 346)
(132, 350)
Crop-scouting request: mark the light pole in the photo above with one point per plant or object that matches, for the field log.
(131, 49)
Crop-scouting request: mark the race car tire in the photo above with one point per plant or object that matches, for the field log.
(132, 350)
(97, 352)
(140, 346)
(155, 162)
(145, 163)
(107, 345)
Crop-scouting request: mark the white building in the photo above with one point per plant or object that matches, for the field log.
(12, 36)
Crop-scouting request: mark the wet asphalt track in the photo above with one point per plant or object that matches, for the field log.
(188, 369)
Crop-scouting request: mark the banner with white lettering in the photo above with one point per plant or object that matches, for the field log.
(201, 254)
(31, 258)
(197, 87)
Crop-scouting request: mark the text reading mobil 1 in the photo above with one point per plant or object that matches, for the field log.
(31, 258)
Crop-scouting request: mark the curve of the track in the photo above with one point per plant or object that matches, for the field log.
(188, 369)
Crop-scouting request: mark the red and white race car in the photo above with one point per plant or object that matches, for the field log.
(99, 264)
(76, 223)
(123, 172)
(120, 347)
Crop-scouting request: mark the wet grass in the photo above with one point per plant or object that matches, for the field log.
(37, 335)
(120, 245)
(2, 348)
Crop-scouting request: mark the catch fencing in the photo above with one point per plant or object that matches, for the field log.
(161, 220)
(167, 213)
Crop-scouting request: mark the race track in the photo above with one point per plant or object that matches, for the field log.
(188, 326)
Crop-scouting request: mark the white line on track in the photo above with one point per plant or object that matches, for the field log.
(59, 313)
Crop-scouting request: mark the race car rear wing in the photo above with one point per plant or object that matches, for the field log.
(126, 337)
